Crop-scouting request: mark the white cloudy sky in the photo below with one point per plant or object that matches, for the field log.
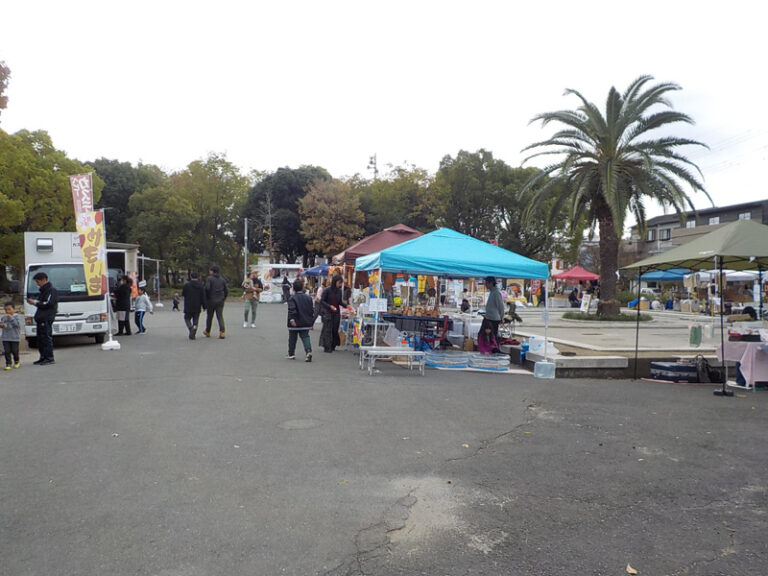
(331, 83)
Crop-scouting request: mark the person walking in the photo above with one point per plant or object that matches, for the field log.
(330, 306)
(142, 306)
(494, 305)
(123, 306)
(301, 313)
(12, 325)
(193, 294)
(252, 289)
(216, 293)
(46, 304)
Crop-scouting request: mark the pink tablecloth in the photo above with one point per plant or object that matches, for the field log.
(754, 361)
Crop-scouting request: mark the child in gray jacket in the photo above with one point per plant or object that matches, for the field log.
(12, 325)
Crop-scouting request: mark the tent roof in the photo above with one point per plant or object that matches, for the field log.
(379, 241)
(446, 252)
(319, 270)
(576, 273)
(671, 275)
(741, 245)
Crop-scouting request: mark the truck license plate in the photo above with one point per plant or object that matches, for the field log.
(65, 327)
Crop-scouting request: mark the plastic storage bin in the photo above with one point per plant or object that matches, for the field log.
(544, 370)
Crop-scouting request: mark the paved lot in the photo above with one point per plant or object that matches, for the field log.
(219, 457)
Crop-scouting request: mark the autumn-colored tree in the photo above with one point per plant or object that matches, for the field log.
(330, 217)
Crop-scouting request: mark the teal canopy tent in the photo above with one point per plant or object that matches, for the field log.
(446, 252)
(671, 275)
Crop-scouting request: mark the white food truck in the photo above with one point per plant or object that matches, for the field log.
(58, 255)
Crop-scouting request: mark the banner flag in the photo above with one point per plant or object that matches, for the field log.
(90, 228)
(82, 193)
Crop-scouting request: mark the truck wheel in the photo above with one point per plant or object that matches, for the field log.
(99, 338)
(32, 342)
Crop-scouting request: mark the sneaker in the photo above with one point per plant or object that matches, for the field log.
(309, 357)
(253, 325)
(17, 365)
(9, 367)
(206, 334)
(222, 335)
(36, 362)
(291, 357)
(245, 324)
(47, 361)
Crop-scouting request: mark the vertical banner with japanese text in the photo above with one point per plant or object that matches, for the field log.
(90, 228)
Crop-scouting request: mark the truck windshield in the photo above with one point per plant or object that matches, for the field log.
(68, 279)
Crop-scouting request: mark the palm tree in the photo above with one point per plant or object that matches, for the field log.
(608, 165)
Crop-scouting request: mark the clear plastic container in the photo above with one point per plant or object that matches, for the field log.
(544, 370)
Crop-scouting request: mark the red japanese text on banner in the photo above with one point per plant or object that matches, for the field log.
(82, 192)
(93, 245)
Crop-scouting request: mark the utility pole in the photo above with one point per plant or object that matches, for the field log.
(245, 250)
(372, 165)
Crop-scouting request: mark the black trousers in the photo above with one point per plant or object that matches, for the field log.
(216, 308)
(45, 339)
(11, 350)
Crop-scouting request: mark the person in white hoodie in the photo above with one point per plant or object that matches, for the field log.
(142, 306)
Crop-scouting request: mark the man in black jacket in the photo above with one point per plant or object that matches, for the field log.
(194, 301)
(216, 292)
(123, 305)
(301, 316)
(47, 304)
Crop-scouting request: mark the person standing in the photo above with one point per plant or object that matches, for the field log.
(286, 285)
(47, 305)
(252, 289)
(194, 301)
(142, 306)
(216, 293)
(301, 313)
(123, 306)
(494, 305)
(12, 325)
(330, 306)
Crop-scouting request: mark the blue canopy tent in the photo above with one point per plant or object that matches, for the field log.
(319, 270)
(671, 275)
(448, 253)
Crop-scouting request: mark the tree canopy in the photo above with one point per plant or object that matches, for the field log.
(608, 164)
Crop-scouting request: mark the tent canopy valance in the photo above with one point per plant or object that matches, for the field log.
(446, 252)
(576, 273)
(379, 241)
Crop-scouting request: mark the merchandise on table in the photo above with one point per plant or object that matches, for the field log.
(446, 359)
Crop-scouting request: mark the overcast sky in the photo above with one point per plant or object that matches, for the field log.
(329, 83)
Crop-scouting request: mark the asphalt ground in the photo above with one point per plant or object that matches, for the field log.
(173, 457)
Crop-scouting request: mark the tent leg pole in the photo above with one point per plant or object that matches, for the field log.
(724, 391)
(637, 322)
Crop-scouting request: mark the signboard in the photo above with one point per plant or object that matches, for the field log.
(90, 230)
(377, 305)
(585, 300)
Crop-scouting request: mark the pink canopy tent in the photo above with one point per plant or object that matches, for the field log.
(576, 273)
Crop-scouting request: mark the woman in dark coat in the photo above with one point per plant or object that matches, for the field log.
(331, 303)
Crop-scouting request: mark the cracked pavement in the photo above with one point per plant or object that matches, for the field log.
(179, 458)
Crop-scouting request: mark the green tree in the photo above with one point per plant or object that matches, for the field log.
(5, 77)
(121, 180)
(217, 193)
(330, 217)
(162, 221)
(609, 164)
(34, 192)
(402, 196)
(470, 187)
(273, 207)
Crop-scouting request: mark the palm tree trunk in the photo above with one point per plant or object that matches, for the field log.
(609, 261)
